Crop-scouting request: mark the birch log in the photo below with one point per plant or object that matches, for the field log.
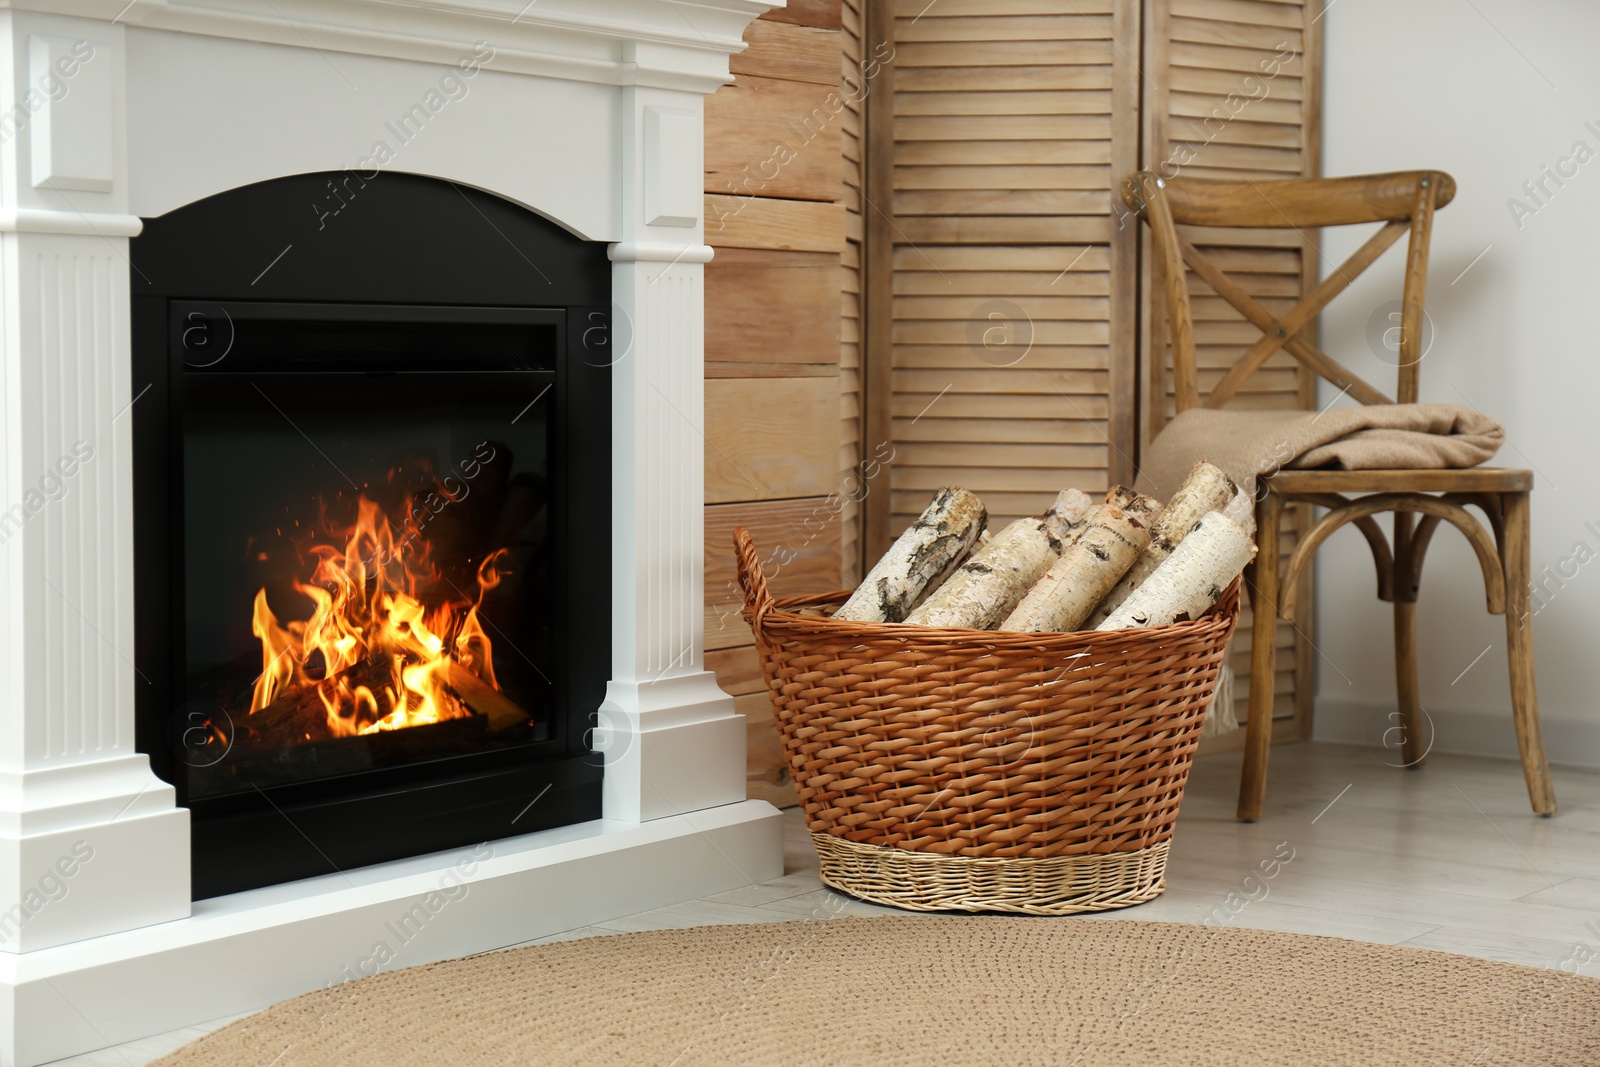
(1206, 489)
(985, 588)
(1191, 579)
(928, 550)
(1069, 515)
(1242, 510)
(1086, 571)
(1120, 496)
(953, 564)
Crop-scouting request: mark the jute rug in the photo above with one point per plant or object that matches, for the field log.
(942, 990)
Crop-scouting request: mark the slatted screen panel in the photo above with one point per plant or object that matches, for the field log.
(851, 445)
(1232, 92)
(1014, 302)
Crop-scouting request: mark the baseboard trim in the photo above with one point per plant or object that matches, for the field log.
(1458, 731)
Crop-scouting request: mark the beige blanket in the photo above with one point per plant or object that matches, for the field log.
(1371, 437)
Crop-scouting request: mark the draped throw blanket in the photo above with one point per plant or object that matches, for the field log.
(1247, 444)
(1250, 444)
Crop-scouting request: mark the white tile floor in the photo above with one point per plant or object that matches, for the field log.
(1446, 857)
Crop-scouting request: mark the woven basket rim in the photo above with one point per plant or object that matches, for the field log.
(779, 614)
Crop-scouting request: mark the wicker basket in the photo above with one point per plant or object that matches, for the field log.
(973, 770)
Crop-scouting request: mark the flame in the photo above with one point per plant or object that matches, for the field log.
(367, 612)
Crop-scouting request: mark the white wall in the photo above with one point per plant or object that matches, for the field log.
(1491, 91)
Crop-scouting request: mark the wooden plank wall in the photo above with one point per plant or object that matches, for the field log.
(1014, 292)
(776, 216)
(1233, 91)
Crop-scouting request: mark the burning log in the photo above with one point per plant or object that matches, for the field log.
(300, 715)
(502, 713)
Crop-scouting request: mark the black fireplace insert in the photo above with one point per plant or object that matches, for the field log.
(372, 505)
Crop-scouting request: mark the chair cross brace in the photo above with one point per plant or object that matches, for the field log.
(1284, 332)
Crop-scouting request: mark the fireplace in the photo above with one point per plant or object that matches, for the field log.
(371, 499)
(206, 210)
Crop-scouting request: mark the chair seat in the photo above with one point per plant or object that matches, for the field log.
(1471, 480)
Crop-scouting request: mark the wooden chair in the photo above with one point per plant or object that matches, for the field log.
(1419, 499)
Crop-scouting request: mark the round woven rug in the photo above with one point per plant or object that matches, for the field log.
(936, 989)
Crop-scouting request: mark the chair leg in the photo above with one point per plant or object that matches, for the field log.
(1407, 690)
(1264, 608)
(1405, 669)
(1519, 647)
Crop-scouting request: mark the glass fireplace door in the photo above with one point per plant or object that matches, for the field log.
(366, 542)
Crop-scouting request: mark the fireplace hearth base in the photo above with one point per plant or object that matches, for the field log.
(284, 940)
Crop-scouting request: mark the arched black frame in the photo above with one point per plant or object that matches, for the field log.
(395, 248)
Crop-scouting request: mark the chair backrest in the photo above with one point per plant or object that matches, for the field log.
(1404, 201)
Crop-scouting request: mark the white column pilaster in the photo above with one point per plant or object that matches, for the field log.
(90, 840)
(673, 740)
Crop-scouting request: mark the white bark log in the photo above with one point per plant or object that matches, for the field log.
(953, 564)
(1086, 571)
(1000, 570)
(1206, 489)
(1120, 496)
(927, 551)
(1069, 515)
(1191, 579)
(1242, 510)
(984, 589)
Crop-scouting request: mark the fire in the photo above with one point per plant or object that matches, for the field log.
(377, 657)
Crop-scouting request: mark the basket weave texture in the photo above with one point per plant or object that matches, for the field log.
(1064, 753)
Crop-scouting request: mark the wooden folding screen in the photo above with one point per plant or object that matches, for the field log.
(1017, 304)
(1013, 289)
(1234, 92)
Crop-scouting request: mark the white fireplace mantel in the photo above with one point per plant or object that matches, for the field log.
(588, 112)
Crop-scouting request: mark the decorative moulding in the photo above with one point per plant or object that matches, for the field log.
(661, 43)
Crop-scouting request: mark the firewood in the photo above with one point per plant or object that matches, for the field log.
(1120, 496)
(1069, 515)
(1242, 510)
(1206, 489)
(1087, 569)
(298, 715)
(1191, 579)
(929, 549)
(502, 712)
(1001, 570)
(984, 589)
(953, 564)
(295, 718)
